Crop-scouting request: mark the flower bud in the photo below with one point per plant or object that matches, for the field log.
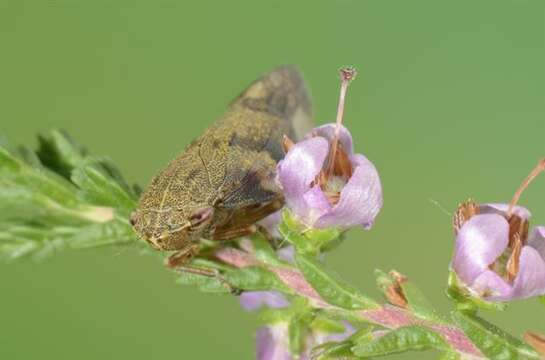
(272, 342)
(254, 300)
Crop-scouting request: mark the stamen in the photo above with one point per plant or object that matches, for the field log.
(464, 212)
(347, 75)
(533, 174)
(514, 260)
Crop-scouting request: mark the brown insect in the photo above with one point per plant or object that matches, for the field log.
(223, 183)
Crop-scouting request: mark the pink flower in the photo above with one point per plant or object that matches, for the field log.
(325, 183)
(336, 200)
(490, 260)
(496, 256)
(272, 342)
(253, 300)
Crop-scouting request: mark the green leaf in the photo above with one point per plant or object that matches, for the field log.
(298, 330)
(98, 188)
(254, 278)
(203, 283)
(306, 241)
(100, 181)
(416, 301)
(343, 349)
(333, 350)
(19, 240)
(59, 152)
(330, 288)
(291, 232)
(339, 314)
(20, 202)
(263, 250)
(298, 306)
(17, 175)
(42, 211)
(29, 156)
(214, 284)
(321, 238)
(450, 355)
(109, 233)
(7, 161)
(409, 338)
(492, 341)
(114, 173)
(325, 324)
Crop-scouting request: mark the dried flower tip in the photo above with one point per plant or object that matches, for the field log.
(533, 174)
(398, 277)
(287, 143)
(537, 341)
(394, 292)
(464, 212)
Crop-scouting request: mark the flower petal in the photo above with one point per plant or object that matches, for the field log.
(271, 222)
(299, 168)
(492, 286)
(328, 131)
(272, 343)
(530, 280)
(361, 198)
(287, 253)
(501, 209)
(480, 241)
(253, 300)
(316, 203)
(537, 240)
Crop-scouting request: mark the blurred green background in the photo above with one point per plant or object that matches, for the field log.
(449, 104)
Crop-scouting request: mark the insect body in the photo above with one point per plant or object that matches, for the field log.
(223, 183)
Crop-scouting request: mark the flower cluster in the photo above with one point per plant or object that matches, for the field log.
(327, 185)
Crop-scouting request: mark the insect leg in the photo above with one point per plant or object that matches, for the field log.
(180, 262)
(232, 233)
(182, 256)
(211, 273)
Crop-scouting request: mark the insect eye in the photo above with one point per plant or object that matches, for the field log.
(132, 219)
